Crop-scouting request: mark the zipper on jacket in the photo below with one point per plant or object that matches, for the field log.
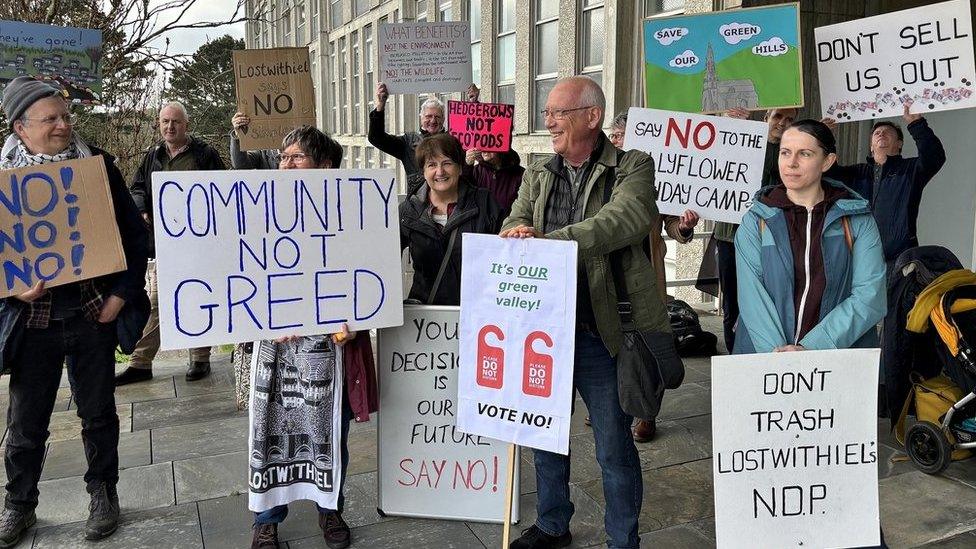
(806, 278)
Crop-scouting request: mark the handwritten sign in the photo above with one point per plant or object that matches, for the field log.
(486, 127)
(426, 466)
(794, 449)
(247, 255)
(518, 322)
(425, 57)
(57, 224)
(274, 88)
(872, 67)
(709, 164)
(69, 55)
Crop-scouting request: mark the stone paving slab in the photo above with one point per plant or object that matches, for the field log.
(917, 509)
(167, 528)
(66, 458)
(221, 379)
(183, 410)
(685, 401)
(415, 534)
(193, 440)
(66, 425)
(210, 476)
(683, 536)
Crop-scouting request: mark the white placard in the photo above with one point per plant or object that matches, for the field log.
(426, 466)
(518, 329)
(794, 449)
(869, 68)
(424, 57)
(709, 164)
(256, 254)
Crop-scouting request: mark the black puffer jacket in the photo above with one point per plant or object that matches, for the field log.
(476, 212)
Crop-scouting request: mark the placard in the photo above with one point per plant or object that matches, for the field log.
(425, 57)
(57, 224)
(274, 88)
(794, 449)
(258, 254)
(872, 67)
(70, 56)
(518, 328)
(426, 467)
(486, 127)
(710, 164)
(712, 62)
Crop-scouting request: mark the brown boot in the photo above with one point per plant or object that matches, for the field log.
(335, 530)
(265, 537)
(644, 430)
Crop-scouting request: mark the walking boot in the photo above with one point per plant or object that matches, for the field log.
(103, 512)
(13, 524)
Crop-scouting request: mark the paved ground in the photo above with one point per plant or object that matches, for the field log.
(183, 454)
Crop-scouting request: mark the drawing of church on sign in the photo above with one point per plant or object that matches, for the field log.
(720, 95)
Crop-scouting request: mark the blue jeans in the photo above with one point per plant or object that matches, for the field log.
(595, 378)
(278, 513)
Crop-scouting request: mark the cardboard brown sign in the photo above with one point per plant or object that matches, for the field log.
(274, 88)
(57, 224)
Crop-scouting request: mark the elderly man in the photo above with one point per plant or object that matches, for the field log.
(178, 151)
(562, 198)
(75, 323)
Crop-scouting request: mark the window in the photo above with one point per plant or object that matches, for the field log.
(505, 53)
(357, 90)
(314, 28)
(663, 7)
(444, 11)
(369, 158)
(593, 32)
(369, 86)
(335, 12)
(545, 44)
(474, 15)
(286, 27)
(360, 7)
(421, 10)
(300, 24)
(343, 103)
(334, 72)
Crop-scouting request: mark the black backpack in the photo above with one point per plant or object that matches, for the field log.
(689, 337)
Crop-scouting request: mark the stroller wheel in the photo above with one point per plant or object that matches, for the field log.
(928, 447)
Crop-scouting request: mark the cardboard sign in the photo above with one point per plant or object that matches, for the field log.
(425, 57)
(259, 254)
(709, 164)
(712, 62)
(57, 224)
(923, 57)
(70, 56)
(518, 329)
(426, 466)
(486, 127)
(794, 442)
(274, 88)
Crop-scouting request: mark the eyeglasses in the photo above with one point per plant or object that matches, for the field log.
(559, 114)
(296, 158)
(68, 118)
(617, 135)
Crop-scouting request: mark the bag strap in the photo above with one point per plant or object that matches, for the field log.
(443, 267)
(900, 425)
(624, 307)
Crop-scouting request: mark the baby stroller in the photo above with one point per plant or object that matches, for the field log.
(945, 312)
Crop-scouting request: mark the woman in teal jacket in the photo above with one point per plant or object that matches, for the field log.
(809, 256)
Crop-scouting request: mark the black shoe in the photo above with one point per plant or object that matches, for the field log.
(13, 524)
(197, 370)
(265, 536)
(533, 538)
(335, 530)
(133, 375)
(103, 512)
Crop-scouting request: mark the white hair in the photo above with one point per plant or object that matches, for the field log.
(175, 105)
(590, 94)
(431, 102)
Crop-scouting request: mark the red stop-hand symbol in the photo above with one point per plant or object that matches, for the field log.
(491, 359)
(537, 367)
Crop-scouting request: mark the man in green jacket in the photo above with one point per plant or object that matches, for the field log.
(563, 199)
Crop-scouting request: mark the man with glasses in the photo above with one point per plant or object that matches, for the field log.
(178, 151)
(78, 324)
(563, 198)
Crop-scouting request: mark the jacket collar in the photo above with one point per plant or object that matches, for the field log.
(602, 154)
(853, 204)
(192, 145)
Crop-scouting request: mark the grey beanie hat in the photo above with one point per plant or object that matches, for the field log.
(21, 93)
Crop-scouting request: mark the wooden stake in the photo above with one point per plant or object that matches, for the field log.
(509, 488)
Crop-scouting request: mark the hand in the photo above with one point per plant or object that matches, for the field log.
(789, 348)
(830, 123)
(110, 309)
(522, 231)
(287, 339)
(738, 112)
(240, 120)
(382, 94)
(343, 337)
(30, 295)
(472, 93)
(472, 156)
(688, 221)
(908, 116)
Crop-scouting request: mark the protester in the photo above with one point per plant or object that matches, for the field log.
(892, 184)
(178, 151)
(500, 173)
(308, 148)
(434, 217)
(681, 229)
(265, 159)
(585, 161)
(79, 323)
(791, 302)
(724, 233)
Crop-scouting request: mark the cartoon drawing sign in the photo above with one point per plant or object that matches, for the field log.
(923, 57)
(518, 320)
(716, 61)
(70, 56)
